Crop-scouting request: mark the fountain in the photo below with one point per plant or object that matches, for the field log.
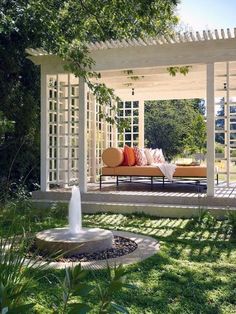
(75, 239)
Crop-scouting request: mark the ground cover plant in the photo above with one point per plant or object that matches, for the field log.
(194, 272)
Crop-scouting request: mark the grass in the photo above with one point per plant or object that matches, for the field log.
(194, 272)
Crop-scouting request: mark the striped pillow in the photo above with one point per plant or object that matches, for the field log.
(149, 156)
(158, 156)
(140, 156)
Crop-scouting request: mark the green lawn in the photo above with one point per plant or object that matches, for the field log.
(194, 272)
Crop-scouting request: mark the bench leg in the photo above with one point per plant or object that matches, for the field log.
(163, 182)
(151, 183)
(100, 182)
(117, 181)
(198, 186)
(217, 178)
(130, 179)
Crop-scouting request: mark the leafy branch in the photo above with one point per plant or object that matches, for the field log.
(182, 70)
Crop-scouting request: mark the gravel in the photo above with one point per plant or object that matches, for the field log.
(121, 246)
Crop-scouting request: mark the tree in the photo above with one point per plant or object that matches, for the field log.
(195, 140)
(174, 126)
(63, 28)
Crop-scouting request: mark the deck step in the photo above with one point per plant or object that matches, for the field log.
(158, 198)
(159, 210)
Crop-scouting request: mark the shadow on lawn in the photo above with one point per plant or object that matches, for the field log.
(198, 240)
(173, 287)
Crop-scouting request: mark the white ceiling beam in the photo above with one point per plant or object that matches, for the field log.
(216, 34)
(131, 42)
(117, 74)
(187, 36)
(154, 94)
(175, 38)
(205, 35)
(141, 42)
(162, 85)
(108, 43)
(180, 37)
(222, 33)
(153, 77)
(210, 35)
(198, 36)
(229, 33)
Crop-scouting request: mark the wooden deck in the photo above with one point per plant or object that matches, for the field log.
(174, 200)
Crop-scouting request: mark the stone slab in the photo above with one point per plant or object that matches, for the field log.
(61, 241)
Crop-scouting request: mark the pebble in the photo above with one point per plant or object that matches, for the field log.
(121, 246)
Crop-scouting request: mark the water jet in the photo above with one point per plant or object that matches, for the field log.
(74, 239)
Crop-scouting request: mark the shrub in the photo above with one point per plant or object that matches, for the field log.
(17, 274)
(231, 216)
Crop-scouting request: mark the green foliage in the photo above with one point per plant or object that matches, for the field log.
(116, 281)
(182, 70)
(74, 285)
(219, 148)
(231, 216)
(6, 126)
(233, 154)
(175, 126)
(195, 140)
(17, 274)
(205, 218)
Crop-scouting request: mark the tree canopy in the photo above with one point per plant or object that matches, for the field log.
(176, 126)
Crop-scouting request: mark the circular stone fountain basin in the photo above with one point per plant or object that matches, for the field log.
(61, 241)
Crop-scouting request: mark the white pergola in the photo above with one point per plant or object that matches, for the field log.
(71, 132)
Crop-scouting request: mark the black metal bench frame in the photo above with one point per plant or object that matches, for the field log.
(196, 179)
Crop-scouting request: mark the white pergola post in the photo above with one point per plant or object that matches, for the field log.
(210, 129)
(114, 127)
(141, 123)
(82, 136)
(93, 151)
(44, 169)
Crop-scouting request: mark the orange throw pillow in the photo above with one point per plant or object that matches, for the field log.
(129, 157)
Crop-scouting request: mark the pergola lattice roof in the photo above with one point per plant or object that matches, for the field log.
(148, 59)
(186, 37)
(166, 39)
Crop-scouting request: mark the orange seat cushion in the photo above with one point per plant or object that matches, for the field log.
(152, 171)
(129, 157)
(113, 157)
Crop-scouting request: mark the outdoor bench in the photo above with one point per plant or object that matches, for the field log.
(113, 159)
(194, 172)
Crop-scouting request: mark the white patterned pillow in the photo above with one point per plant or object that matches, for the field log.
(149, 155)
(158, 156)
(140, 156)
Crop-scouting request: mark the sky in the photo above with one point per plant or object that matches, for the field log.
(207, 14)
